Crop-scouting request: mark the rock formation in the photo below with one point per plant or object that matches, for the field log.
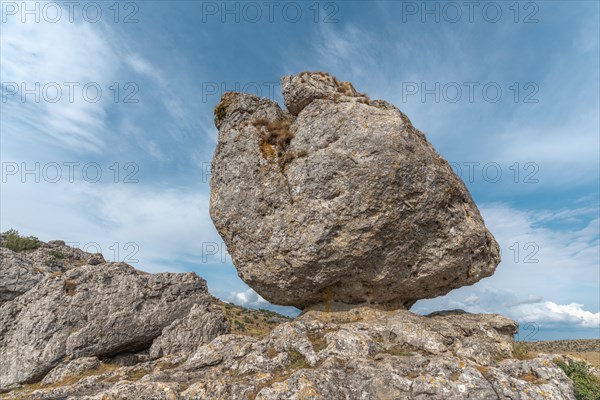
(337, 202)
(92, 310)
(340, 199)
(22, 271)
(362, 353)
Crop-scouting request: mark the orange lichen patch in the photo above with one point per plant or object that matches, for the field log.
(267, 151)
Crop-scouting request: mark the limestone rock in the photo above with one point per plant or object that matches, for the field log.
(359, 353)
(340, 199)
(68, 368)
(300, 90)
(203, 323)
(20, 271)
(89, 311)
(17, 275)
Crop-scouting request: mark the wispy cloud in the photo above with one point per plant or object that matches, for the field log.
(57, 55)
(167, 226)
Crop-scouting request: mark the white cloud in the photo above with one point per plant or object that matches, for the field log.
(548, 313)
(167, 226)
(565, 258)
(248, 298)
(54, 54)
(69, 56)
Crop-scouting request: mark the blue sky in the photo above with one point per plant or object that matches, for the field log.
(508, 94)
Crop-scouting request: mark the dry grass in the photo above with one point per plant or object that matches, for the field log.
(256, 323)
(296, 361)
(586, 349)
(522, 351)
(531, 378)
(592, 357)
(454, 376)
(274, 140)
(404, 350)
(70, 285)
(137, 375)
(276, 133)
(278, 376)
(271, 352)
(26, 390)
(317, 341)
(221, 109)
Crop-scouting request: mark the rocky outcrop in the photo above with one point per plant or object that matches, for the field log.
(95, 310)
(71, 368)
(360, 353)
(20, 271)
(203, 323)
(340, 199)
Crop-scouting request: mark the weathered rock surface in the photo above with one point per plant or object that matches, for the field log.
(21, 271)
(340, 199)
(361, 353)
(203, 323)
(95, 310)
(69, 368)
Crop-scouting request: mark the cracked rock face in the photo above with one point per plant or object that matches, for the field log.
(99, 310)
(19, 272)
(340, 199)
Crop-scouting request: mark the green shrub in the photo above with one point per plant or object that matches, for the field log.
(57, 254)
(239, 325)
(586, 385)
(15, 242)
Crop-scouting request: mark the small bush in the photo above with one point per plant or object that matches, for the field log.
(239, 325)
(17, 243)
(586, 385)
(57, 254)
(271, 352)
(278, 132)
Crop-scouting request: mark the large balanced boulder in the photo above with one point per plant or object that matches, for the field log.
(340, 199)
